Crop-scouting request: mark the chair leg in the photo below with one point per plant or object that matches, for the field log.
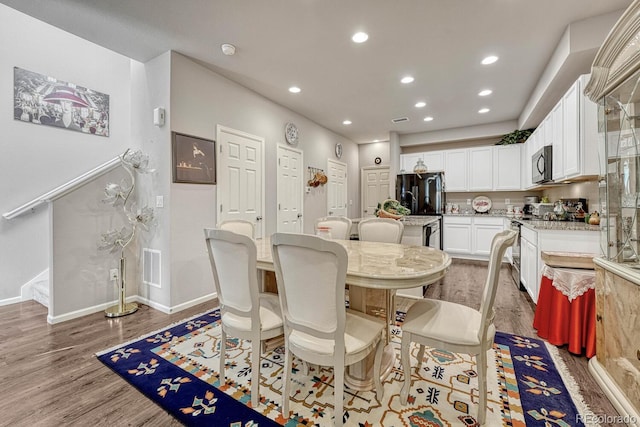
(420, 356)
(285, 381)
(255, 373)
(376, 370)
(223, 351)
(406, 367)
(338, 391)
(482, 386)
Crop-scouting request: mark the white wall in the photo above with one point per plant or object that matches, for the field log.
(35, 158)
(201, 99)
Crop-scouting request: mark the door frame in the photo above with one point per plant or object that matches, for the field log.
(219, 129)
(362, 172)
(301, 153)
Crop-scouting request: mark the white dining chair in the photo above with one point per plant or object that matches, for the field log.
(384, 230)
(245, 312)
(240, 226)
(339, 226)
(455, 327)
(311, 274)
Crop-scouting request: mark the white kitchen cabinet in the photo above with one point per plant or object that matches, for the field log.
(408, 161)
(456, 170)
(530, 147)
(483, 231)
(547, 131)
(470, 236)
(480, 169)
(557, 165)
(506, 167)
(434, 160)
(570, 131)
(457, 234)
(529, 262)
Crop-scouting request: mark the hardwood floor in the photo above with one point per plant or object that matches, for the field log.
(51, 377)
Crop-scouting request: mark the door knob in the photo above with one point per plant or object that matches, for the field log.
(259, 218)
(299, 215)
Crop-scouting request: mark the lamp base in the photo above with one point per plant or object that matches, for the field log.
(114, 311)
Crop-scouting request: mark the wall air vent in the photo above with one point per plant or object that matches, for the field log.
(151, 267)
(400, 119)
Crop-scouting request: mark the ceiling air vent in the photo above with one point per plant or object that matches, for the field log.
(400, 119)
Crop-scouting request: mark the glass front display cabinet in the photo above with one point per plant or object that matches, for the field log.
(619, 124)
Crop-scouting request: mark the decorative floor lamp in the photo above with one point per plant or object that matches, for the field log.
(118, 196)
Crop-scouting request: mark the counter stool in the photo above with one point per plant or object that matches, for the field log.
(566, 309)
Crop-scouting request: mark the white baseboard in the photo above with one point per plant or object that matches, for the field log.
(179, 307)
(8, 301)
(26, 293)
(135, 298)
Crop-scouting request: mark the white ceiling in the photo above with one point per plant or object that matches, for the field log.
(307, 43)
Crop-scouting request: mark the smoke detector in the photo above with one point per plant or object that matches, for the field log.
(228, 49)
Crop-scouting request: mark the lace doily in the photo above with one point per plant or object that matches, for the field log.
(571, 282)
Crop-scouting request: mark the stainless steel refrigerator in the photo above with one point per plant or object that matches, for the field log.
(422, 193)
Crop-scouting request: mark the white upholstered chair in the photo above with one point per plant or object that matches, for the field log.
(239, 226)
(384, 230)
(311, 274)
(339, 226)
(245, 313)
(455, 327)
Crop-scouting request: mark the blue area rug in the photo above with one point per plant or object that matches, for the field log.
(176, 368)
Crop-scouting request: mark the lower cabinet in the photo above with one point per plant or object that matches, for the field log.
(529, 262)
(469, 236)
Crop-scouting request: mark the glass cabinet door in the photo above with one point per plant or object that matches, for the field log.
(620, 122)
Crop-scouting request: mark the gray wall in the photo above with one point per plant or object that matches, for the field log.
(35, 158)
(201, 99)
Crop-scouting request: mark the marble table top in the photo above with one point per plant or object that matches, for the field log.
(381, 265)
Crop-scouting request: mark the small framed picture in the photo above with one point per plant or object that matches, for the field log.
(194, 159)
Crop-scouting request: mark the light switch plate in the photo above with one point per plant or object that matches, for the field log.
(159, 201)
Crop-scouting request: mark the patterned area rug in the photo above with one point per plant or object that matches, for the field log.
(177, 368)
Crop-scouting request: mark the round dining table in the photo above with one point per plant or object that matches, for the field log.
(373, 265)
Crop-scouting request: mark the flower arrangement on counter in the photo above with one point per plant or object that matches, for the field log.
(391, 208)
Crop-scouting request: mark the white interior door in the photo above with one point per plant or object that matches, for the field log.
(290, 190)
(337, 188)
(240, 164)
(376, 188)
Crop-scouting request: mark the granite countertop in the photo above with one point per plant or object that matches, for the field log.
(418, 220)
(558, 225)
(495, 212)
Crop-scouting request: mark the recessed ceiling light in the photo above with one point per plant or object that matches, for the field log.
(428, 119)
(346, 122)
(407, 79)
(420, 104)
(294, 89)
(485, 92)
(489, 60)
(360, 37)
(483, 110)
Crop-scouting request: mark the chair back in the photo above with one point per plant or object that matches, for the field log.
(339, 226)
(239, 226)
(311, 273)
(385, 230)
(499, 245)
(233, 262)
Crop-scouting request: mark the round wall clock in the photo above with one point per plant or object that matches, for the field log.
(291, 133)
(377, 160)
(338, 150)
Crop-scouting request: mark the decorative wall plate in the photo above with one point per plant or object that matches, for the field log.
(291, 133)
(481, 204)
(338, 150)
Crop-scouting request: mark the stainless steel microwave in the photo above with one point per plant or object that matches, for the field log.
(541, 170)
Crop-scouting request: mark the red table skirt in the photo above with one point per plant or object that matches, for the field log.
(562, 322)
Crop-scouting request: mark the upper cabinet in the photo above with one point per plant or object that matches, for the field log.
(434, 160)
(456, 170)
(408, 161)
(575, 134)
(481, 169)
(506, 167)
